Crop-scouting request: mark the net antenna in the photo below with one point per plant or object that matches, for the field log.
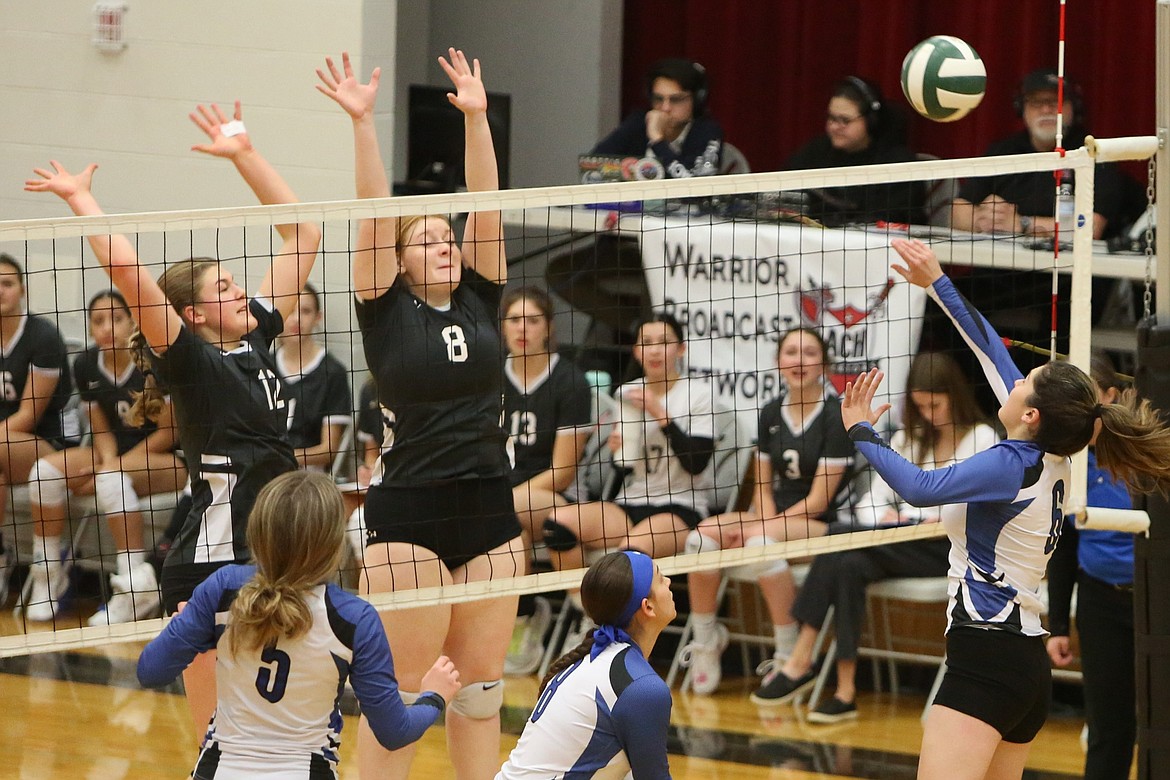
(1058, 176)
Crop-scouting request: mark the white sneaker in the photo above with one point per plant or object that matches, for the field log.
(48, 584)
(577, 634)
(135, 597)
(530, 649)
(705, 661)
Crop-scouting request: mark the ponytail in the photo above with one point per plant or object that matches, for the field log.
(265, 611)
(567, 660)
(148, 404)
(1134, 444)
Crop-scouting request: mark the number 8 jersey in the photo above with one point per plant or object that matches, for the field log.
(439, 379)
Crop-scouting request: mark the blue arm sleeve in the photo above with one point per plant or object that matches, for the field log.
(395, 725)
(988, 347)
(992, 475)
(191, 632)
(641, 717)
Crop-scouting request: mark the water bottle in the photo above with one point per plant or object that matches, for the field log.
(1066, 210)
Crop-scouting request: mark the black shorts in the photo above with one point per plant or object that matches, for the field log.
(457, 520)
(1000, 678)
(179, 581)
(639, 512)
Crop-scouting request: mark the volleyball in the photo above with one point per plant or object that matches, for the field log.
(943, 78)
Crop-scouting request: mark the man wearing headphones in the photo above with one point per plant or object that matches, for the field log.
(675, 135)
(860, 129)
(1023, 203)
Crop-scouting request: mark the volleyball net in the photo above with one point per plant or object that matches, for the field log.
(738, 260)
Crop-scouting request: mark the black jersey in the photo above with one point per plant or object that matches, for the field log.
(37, 346)
(316, 395)
(797, 453)
(114, 395)
(232, 417)
(370, 423)
(439, 382)
(558, 400)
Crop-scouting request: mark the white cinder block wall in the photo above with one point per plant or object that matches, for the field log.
(64, 99)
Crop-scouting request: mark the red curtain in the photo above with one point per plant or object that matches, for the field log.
(771, 65)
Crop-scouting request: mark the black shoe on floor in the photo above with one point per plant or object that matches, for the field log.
(833, 711)
(779, 688)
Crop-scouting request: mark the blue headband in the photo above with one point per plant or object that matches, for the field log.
(642, 567)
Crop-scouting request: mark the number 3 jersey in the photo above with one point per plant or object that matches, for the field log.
(438, 374)
(278, 708)
(1003, 507)
(599, 719)
(232, 417)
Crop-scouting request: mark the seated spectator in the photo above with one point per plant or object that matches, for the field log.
(803, 463)
(942, 425)
(547, 411)
(316, 389)
(125, 461)
(860, 129)
(675, 131)
(1024, 203)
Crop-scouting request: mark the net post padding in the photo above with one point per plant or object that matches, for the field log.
(142, 630)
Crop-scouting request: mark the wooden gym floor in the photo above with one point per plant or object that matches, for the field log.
(82, 714)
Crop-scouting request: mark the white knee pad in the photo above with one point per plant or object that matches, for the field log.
(697, 543)
(115, 493)
(479, 700)
(46, 484)
(753, 571)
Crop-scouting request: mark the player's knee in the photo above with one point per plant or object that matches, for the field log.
(46, 484)
(558, 537)
(115, 493)
(757, 569)
(479, 700)
(697, 543)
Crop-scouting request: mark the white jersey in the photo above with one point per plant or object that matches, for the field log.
(657, 475)
(599, 719)
(278, 712)
(1003, 508)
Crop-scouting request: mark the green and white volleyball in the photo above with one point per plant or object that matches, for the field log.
(943, 78)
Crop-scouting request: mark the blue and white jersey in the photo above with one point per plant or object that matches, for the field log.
(278, 713)
(1004, 506)
(600, 718)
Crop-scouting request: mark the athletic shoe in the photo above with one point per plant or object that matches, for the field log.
(705, 661)
(833, 711)
(576, 635)
(779, 688)
(135, 597)
(47, 585)
(524, 657)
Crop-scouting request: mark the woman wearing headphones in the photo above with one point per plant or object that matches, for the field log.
(860, 129)
(675, 131)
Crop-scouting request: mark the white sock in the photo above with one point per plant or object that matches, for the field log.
(128, 559)
(785, 637)
(704, 626)
(47, 549)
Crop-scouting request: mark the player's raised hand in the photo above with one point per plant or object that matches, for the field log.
(470, 96)
(227, 136)
(857, 402)
(61, 182)
(346, 90)
(922, 267)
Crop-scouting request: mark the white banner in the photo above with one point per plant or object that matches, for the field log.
(738, 287)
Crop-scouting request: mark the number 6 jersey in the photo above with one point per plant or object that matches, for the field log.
(438, 374)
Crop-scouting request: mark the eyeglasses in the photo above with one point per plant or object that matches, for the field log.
(841, 121)
(677, 99)
(1037, 101)
(528, 319)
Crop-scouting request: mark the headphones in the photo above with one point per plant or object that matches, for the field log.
(1046, 79)
(871, 101)
(689, 74)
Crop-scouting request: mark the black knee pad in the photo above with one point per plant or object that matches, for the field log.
(559, 538)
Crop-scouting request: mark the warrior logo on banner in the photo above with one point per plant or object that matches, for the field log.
(844, 328)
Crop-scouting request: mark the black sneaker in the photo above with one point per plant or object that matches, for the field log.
(779, 688)
(833, 711)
